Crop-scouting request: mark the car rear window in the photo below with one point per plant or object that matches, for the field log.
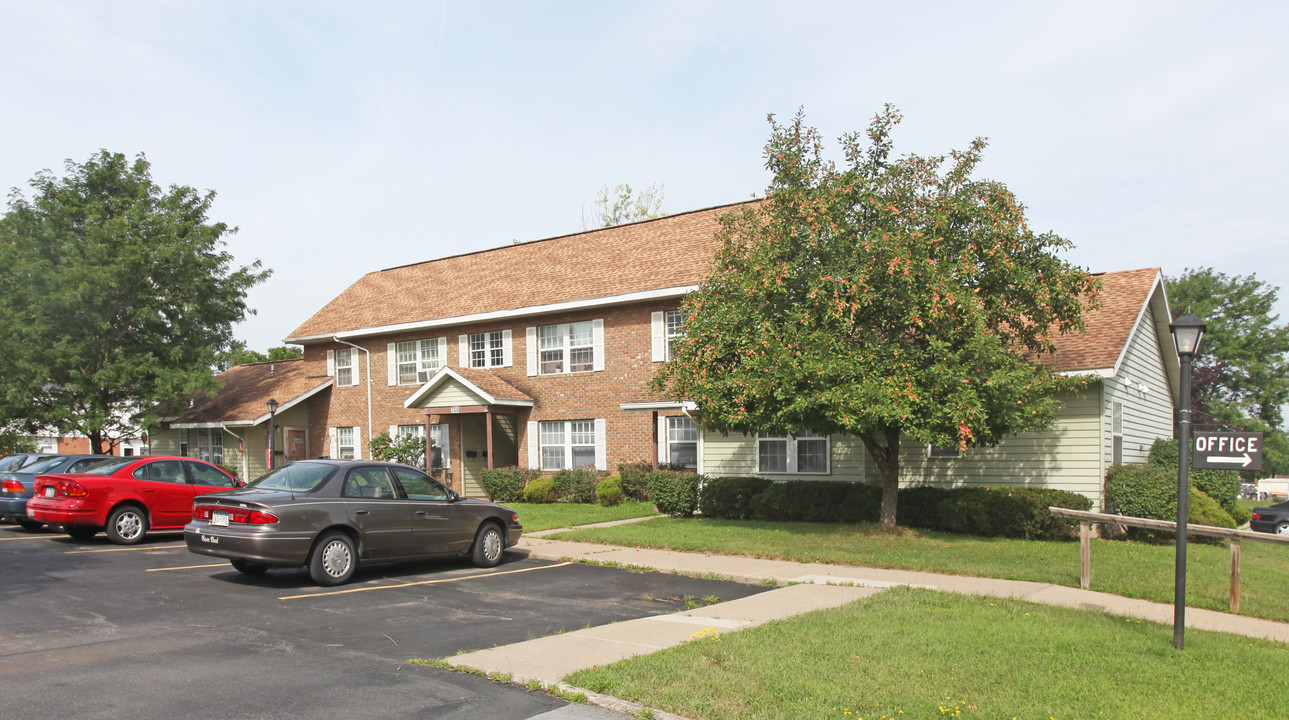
(44, 466)
(296, 477)
(107, 467)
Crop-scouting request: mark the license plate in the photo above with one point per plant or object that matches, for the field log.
(219, 518)
(49, 491)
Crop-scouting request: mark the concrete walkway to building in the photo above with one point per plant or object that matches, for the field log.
(804, 587)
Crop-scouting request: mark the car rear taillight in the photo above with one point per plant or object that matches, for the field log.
(240, 516)
(11, 486)
(72, 489)
(1256, 516)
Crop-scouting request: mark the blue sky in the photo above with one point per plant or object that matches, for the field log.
(346, 137)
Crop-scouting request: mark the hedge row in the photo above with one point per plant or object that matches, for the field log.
(1147, 491)
(988, 511)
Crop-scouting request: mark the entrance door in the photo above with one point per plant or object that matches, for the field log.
(295, 447)
(474, 449)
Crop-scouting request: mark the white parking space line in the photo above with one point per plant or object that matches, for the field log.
(187, 567)
(127, 549)
(400, 586)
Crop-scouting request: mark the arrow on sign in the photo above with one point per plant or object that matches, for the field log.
(1241, 461)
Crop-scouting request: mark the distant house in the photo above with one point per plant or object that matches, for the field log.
(230, 427)
(539, 354)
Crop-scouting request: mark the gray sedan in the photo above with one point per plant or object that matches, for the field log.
(330, 515)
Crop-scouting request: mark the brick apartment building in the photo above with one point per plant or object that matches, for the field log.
(539, 354)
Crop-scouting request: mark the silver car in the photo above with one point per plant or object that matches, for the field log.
(331, 515)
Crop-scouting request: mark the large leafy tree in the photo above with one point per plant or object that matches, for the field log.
(621, 205)
(884, 299)
(1240, 379)
(239, 354)
(114, 296)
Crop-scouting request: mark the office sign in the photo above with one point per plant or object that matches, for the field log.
(1227, 451)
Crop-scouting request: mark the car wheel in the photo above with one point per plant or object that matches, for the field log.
(1282, 528)
(80, 532)
(127, 525)
(249, 568)
(488, 544)
(334, 559)
(31, 525)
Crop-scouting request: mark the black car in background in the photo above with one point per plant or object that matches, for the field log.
(1273, 519)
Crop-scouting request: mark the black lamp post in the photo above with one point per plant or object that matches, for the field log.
(272, 431)
(1187, 331)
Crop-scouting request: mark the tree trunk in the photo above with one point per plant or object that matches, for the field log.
(884, 448)
(96, 442)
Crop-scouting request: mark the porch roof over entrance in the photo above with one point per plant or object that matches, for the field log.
(466, 386)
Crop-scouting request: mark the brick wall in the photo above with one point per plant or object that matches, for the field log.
(628, 368)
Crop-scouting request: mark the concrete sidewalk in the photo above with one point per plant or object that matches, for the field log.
(809, 586)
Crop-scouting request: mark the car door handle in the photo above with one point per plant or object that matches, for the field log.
(360, 512)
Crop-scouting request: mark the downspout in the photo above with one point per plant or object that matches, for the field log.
(368, 352)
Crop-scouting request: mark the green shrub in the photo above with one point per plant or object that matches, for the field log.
(1147, 491)
(609, 492)
(578, 484)
(507, 484)
(540, 490)
(1221, 485)
(674, 492)
(919, 506)
(635, 479)
(1240, 515)
(1013, 512)
(730, 497)
(818, 501)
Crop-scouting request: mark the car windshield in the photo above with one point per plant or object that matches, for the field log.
(296, 477)
(44, 466)
(107, 467)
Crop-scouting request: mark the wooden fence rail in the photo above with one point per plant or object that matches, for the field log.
(1235, 536)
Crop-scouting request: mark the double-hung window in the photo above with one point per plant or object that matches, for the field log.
(439, 456)
(345, 443)
(666, 327)
(183, 442)
(806, 453)
(485, 349)
(675, 329)
(682, 442)
(414, 361)
(568, 444)
(210, 445)
(342, 365)
(566, 348)
(1116, 433)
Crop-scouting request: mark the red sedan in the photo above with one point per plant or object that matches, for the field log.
(127, 497)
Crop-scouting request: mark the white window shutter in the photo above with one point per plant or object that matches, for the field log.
(331, 363)
(358, 443)
(533, 439)
(531, 336)
(443, 352)
(597, 337)
(463, 350)
(393, 432)
(507, 353)
(601, 460)
(658, 330)
(333, 449)
(391, 356)
(663, 445)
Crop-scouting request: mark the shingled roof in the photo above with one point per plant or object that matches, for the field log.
(247, 388)
(1126, 297)
(670, 252)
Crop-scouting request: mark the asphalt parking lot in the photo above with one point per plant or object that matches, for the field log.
(95, 630)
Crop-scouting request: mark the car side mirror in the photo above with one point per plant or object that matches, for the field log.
(452, 496)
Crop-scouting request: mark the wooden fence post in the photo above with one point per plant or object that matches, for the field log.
(1235, 575)
(1085, 554)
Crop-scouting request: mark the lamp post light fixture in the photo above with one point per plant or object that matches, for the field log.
(272, 431)
(1187, 331)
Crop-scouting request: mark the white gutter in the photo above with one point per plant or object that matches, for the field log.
(365, 350)
(501, 314)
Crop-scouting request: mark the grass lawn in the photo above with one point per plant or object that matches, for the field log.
(545, 516)
(908, 653)
(1124, 568)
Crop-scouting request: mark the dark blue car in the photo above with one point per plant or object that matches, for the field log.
(16, 485)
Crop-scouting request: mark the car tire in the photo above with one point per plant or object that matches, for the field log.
(489, 542)
(127, 525)
(333, 560)
(80, 532)
(246, 567)
(1282, 529)
(31, 525)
